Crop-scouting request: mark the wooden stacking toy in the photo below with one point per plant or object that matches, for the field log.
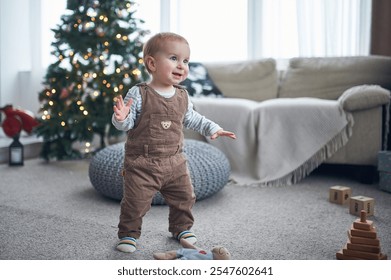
(363, 242)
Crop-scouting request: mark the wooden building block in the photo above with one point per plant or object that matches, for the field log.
(361, 254)
(363, 240)
(340, 194)
(341, 256)
(363, 223)
(358, 203)
(364, 233)
(368, 225)
(363, 248)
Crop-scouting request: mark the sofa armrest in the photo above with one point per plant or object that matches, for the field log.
(364, 97)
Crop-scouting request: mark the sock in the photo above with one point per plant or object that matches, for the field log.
(127, 245)
(188, 236)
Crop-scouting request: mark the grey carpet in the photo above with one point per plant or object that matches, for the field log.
(51, 211)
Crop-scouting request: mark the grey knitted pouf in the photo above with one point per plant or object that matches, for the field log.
(209, 170)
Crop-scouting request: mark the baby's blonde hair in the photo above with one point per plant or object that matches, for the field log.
(155, 43)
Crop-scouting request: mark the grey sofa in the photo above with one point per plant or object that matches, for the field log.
(361, 84)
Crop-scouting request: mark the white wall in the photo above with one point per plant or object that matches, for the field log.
(20, 56)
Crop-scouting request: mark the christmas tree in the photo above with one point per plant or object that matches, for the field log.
(98, 46)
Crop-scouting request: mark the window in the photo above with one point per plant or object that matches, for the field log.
(313, 28)
(221, 30)
(216, 30)
(150, 12)
(51, 16)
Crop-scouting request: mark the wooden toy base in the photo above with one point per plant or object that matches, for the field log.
(341, 256)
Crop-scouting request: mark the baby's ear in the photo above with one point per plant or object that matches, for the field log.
(149, 62)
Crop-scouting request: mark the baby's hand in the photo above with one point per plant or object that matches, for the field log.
(121, 110)
(223, 133)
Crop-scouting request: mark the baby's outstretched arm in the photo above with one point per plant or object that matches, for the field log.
(121, 110)
(222, 132)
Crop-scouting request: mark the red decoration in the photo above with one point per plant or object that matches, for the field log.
(17, 120)
(64, 93)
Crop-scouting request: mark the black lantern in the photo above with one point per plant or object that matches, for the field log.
(15, 121)
(16, 152)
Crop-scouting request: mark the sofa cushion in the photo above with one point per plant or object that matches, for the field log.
(329, 77)
(255, 80)
(198, 82)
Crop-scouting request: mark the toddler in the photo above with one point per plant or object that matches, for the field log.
(154, 115)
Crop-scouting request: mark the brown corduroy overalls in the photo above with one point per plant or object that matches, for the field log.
(154, 162)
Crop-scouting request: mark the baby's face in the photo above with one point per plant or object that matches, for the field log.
(172, 62)
(221, 253)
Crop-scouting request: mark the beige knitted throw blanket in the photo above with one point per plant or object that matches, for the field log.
(279, 141)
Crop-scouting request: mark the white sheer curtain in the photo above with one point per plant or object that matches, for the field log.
(222, 30)
(290, 28)
(215, 29)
